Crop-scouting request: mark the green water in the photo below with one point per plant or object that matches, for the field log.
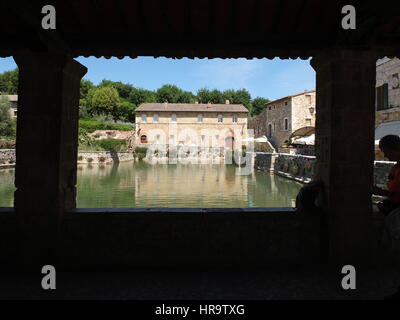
(138, 184)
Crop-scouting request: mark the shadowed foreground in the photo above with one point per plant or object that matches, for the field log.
(304, 283)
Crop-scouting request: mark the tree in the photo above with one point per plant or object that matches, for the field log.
(86, 85)
(243, 97)
(103, 100)
(229, 95)
(125, 111)
(204, 95)
(216, 97)
(84, 109)
(9, 82)
(6, 124)
(139, 96)
(168, 93)
(124, 89)
(210, 96)
(187, 97)
(258, 105)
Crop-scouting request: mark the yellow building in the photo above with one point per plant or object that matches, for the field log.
(202, 125)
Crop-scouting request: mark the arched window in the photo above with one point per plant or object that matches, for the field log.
(143, 139)
(234, 117)
(270, 130)
(220, 119)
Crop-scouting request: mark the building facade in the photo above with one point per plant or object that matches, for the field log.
(203, 125)
(283, 116)
(387, 97)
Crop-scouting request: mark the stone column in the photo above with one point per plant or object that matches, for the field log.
(345, 105)
(46, 151)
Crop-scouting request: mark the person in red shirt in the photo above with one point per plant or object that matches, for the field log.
(390, 146)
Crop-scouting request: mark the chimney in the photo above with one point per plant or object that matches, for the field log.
(226, 101)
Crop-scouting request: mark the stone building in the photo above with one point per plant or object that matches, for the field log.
(216, 125)
(283, 116)
(387, 101)
(45, 227)
(13, 98)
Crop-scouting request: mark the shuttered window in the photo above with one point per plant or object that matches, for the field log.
(382, 97)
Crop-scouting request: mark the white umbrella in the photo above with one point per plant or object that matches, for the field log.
(261, 139)
(309, 140)
(248, 139)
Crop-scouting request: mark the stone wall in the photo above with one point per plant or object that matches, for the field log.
(259, 124)
(96, 157)
(301, 168)
(296, 167)
(7, 158)
(276, 113)
(296, 109)
(306, 150)
(301, 115)
(388, 71)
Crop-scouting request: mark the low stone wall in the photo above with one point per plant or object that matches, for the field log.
(265, 161)
(305, 150)
(296, 167)
(103, 157)
(301, 168)
(7, 158)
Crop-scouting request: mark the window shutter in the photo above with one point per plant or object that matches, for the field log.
(379, 98)
(385, 96)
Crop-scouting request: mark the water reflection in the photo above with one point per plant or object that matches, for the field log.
(140, 184)
(7, 187)
(202, 186)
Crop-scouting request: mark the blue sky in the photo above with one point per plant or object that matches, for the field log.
(270, 79)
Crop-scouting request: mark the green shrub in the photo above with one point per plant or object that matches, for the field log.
(92, 125)
(80, 158)
(112, 144)
(89, 160)
(141, 150)
(102, 159)
(141, 156)
(120, 127)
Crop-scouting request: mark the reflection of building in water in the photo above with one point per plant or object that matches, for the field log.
(202, 184)
(138, 184)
